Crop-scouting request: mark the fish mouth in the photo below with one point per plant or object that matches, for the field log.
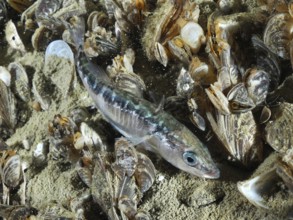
(212, 174)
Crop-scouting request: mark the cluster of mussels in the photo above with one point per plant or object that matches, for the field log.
(234, 66)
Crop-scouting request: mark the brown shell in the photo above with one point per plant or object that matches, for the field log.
(145, 172)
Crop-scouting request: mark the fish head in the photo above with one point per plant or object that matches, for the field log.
(186, 152)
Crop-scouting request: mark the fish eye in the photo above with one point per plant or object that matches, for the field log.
(189, 158)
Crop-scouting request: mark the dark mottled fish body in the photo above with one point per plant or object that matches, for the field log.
(140, 121)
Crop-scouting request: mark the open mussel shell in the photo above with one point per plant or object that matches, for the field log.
(21, 81)
(239, 99)
(265, 185)
(255, 188)
(12, 172)
(279, 130)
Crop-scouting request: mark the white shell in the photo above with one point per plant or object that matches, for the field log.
(5, 75)
(13, 38)
(26, 144)
(60, 49)
(193, 35)
(40, 153)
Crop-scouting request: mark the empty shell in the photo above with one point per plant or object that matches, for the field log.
(13, 38)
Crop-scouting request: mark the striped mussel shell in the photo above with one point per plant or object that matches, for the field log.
(267, 61)
(240, 136)
(12, 172)
(126, 158)
(8, 111)
(279, 130)
(277, 34)
(257, 83)
(145, 172)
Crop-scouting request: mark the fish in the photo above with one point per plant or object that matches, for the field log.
(142, 123)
